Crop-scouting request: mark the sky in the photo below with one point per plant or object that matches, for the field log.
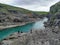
(34, 5)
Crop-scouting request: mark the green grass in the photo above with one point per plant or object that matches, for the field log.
(8, 7)
(5, 9)
(41, 12)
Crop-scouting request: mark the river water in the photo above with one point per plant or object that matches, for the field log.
(25, 28)
(40, 24)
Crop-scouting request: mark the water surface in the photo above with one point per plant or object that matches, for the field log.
(25, 28)
(40, 24)
(8, 31)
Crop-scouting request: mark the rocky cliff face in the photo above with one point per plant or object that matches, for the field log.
(55, 8)
(11, 15)
(55, 18)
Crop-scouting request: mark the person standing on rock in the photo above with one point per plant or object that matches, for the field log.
(19, 33)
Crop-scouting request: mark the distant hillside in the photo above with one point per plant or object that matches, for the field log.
(6, 8)
(41, 12)
(10, 14)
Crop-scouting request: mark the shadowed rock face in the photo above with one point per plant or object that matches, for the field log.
(39, 37)
(1, 6)
(13, 11)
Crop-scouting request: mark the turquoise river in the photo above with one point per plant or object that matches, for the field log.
(25, 28)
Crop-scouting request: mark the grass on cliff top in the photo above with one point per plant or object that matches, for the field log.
(4, 8)
(41, 12)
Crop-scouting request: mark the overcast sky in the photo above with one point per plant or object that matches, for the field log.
(35, 5)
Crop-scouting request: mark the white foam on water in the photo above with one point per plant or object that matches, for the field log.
(40, 24)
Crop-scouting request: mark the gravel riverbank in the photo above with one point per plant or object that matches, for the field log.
(37, 37)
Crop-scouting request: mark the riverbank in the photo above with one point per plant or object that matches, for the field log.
(47, 36)
(36, 37)
(9, 26)
(20, 29)
(14, 37)
(18, 24)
